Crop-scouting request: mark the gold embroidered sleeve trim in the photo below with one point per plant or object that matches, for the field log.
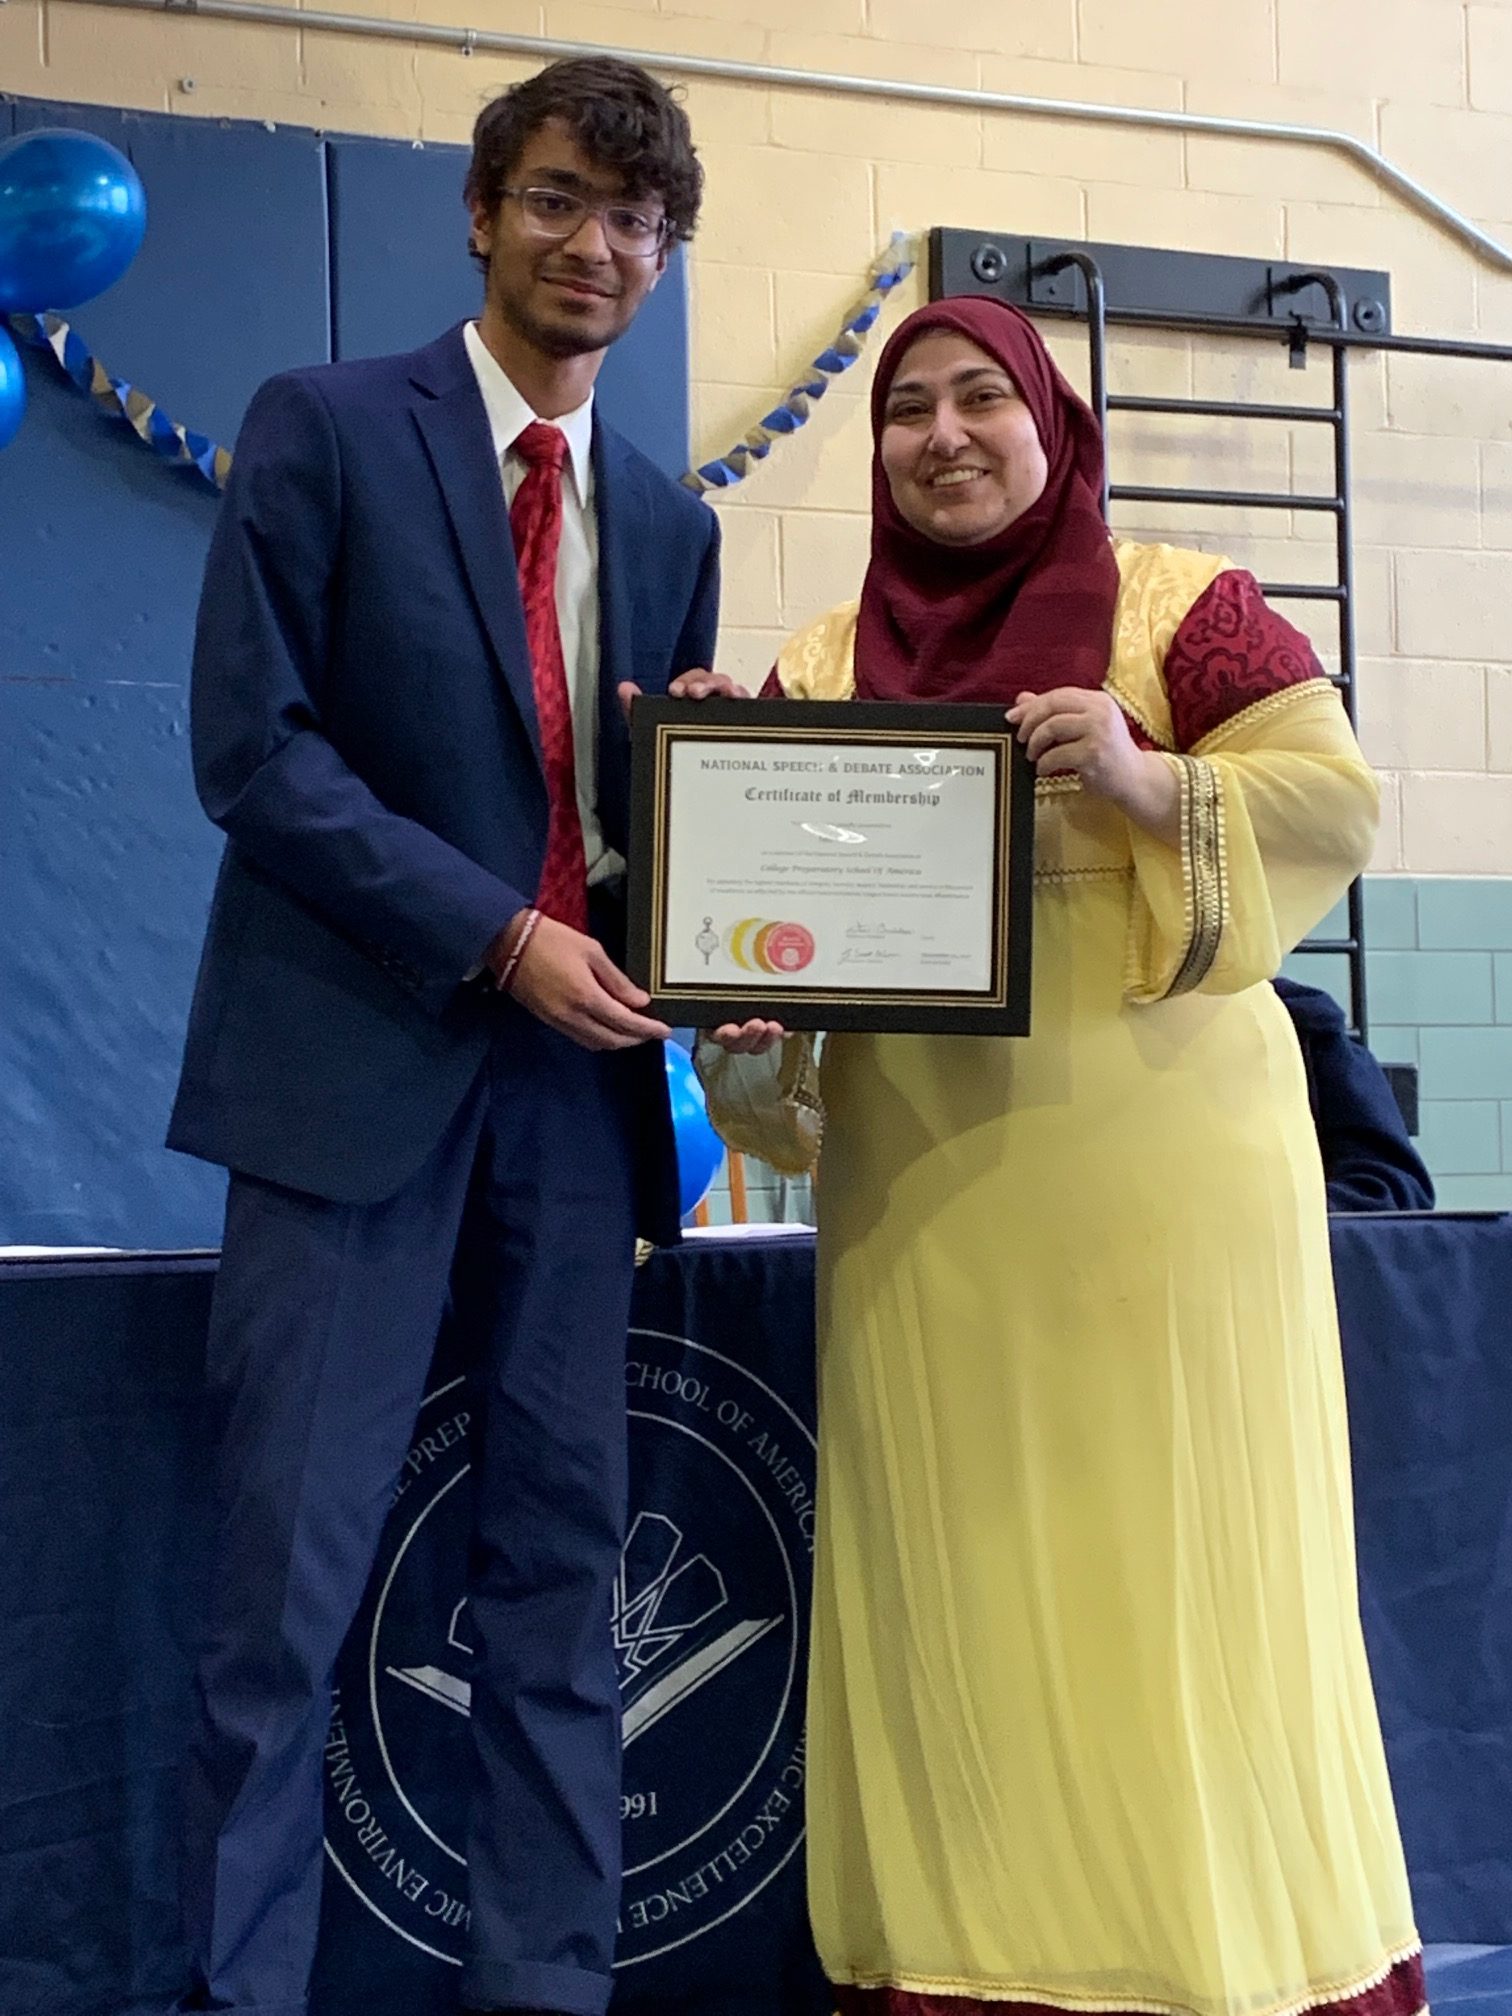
(1113, 872)
(1203, 872)
(1140, 716)
(798, 1077)
(1260, 711)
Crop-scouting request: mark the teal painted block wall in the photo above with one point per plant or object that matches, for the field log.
(1438, 975)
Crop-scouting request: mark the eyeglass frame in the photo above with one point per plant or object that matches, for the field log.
(592, 206)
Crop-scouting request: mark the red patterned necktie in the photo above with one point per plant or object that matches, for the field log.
(535, 518)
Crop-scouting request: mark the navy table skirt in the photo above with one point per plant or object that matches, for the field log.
(102, 1571)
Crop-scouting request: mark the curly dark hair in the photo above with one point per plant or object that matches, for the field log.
(620, 117)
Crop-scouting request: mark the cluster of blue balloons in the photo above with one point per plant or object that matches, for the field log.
(72, 215)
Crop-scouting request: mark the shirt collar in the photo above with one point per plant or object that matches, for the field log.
(509, 414)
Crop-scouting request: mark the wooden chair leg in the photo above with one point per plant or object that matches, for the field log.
(739, 1205)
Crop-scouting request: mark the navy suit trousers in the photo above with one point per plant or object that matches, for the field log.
(324, 1321)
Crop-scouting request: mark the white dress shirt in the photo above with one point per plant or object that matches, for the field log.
(577, 572)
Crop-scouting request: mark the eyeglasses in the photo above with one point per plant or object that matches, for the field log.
(556, 213)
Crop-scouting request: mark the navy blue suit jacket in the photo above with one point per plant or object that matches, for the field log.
(364, 732)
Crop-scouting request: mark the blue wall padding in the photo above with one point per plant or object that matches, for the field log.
(264, 249)
(230, 283)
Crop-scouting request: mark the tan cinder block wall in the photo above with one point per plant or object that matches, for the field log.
(804, 187)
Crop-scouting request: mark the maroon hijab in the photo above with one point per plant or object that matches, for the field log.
(1030, 608)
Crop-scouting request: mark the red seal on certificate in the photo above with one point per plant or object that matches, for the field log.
(788, 948)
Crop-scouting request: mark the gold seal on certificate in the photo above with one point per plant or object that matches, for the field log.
(832, 865)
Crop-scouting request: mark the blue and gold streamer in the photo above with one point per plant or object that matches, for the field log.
(120, 401)
(886, 271)
(182, 448)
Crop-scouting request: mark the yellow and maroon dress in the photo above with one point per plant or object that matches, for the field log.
(1091, 1723)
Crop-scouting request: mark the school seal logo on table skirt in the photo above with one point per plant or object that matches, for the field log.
(710, 1631)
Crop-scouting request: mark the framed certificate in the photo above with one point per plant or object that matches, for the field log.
(832, 865)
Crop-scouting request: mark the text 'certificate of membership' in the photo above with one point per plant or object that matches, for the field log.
(832, 865)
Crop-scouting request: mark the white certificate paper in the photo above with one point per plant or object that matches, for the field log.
(831, 867)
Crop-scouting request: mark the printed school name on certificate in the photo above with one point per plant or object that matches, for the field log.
(831, 866)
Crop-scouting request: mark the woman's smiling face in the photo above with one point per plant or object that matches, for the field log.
(959, 447)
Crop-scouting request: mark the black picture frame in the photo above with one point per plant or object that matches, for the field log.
(656, 725)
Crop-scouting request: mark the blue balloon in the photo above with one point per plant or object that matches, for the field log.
(12, 390)
(699, 1149)
(72, 215)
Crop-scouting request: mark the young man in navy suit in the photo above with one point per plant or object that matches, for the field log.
(434, 584)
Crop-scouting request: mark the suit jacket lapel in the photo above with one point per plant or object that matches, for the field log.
(454, 427)
(624, 510)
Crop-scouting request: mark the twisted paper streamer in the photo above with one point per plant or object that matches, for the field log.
(113, 396)
(184, 449)
(885, 272)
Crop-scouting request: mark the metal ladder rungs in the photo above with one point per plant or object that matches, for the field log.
(1221, 409)
(1225, 500)
(1339, 592)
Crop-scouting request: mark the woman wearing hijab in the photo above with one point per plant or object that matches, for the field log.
(1091, 1723)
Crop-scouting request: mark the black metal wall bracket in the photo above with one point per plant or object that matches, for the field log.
(1209, 290)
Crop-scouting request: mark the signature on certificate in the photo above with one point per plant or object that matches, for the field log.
(873, 944)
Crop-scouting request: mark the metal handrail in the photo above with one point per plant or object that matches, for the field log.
(893, 90)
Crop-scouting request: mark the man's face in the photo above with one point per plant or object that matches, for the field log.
(567, 296)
